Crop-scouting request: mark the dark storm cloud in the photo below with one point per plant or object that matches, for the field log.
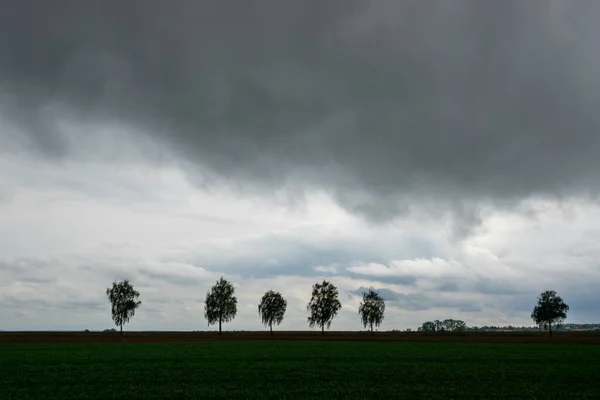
(383, 102)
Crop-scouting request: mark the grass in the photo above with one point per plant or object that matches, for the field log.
(299, 370)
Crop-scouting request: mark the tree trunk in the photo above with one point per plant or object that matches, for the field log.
(371, 328)
(121, 329)
(271, 328)
(550, 329)
(323, 329)
(220, 332)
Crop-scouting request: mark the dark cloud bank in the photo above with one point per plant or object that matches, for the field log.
(385, 103)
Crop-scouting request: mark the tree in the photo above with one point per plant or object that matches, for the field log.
(427, 327)
(447, 325)
(371, 309)
(123, 299)
(323, 305)
(460, 326)
(550, 309)
(272, 309)
(220, 304)
(454, 325)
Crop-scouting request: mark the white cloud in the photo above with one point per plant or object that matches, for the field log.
(327, 268)
(435, 267)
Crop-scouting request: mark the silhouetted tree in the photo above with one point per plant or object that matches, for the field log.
(371, 309)
(123, 299)
(454, 325)
(550, 309)
(323, 305)
(220, 304)
(272, 309)
(447, 325)
(427, 327)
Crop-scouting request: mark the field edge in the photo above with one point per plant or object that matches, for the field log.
(591, 337)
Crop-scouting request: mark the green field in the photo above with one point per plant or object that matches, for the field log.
(299, 370)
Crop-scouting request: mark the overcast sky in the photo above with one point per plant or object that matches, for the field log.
(444, 152)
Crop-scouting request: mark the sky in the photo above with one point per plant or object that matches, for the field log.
(443, 153)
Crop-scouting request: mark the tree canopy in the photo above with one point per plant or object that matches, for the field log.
(371, 309)
(323, 305)
(220, 304)
(272, 309)
(427, 327)
(447, 325)
(550, 309)
(123, 299)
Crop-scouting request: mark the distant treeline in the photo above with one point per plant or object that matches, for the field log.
(565, 327)
(447, 325)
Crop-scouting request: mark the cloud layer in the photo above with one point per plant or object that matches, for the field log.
(391, 106)
(280, 142)
(70, 230)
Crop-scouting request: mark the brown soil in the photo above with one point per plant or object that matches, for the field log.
(148, 337)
